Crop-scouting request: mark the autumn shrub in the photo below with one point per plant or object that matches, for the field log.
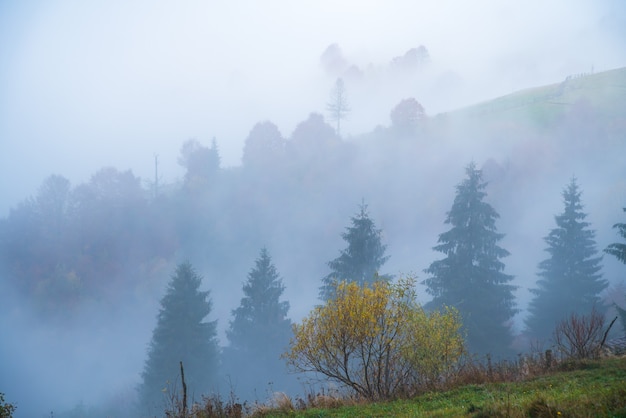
(376, 341)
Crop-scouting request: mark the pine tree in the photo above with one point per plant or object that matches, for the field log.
(361, 260)
(570, 279)
(260, 330)
(470, 277)
(180, 335)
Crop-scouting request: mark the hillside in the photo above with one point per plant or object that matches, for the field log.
(605, 91)
(590, 389)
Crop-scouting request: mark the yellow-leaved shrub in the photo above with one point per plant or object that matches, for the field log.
(377, 341)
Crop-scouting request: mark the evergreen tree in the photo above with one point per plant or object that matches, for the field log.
(260, 330)
(470, 277)
(180, 335)
(570, 279)
(260, 323)
(361, 260)
(619, 250)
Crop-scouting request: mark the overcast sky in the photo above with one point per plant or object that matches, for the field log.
(86, 84)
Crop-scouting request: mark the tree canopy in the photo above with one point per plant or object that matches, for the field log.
(376, 340)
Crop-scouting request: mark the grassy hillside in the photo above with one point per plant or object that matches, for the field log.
(589, 389)
(606, 91)
(602, 94)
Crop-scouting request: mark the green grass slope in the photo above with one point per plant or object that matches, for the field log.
(589, 389)
(543, 107)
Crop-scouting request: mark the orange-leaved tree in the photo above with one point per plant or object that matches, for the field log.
(376, 340)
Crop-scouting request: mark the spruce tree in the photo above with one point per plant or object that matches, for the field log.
(181, 334)
(570, 278)
(361, 260)
(260, 331)
(618, 250)
(470, 277)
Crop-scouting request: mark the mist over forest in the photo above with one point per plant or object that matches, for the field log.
(116, 169)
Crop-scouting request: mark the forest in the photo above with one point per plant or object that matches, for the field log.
(95, 265)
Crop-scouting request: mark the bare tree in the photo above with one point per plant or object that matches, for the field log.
(580, 336)
(338, 106)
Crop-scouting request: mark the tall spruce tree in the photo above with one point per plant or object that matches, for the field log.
(259, 332)
(181, 334)
(470, 277)
(361, 260)
(618, 250)
(570, 279)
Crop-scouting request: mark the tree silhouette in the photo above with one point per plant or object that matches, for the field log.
(260, 330)
(470, 277)
(338, 106)
(407, 116)
(570, 279)
(361, 260)
(181, 334)
(618, 250)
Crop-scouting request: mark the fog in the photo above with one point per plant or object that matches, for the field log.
(115, 83)
(87, 85)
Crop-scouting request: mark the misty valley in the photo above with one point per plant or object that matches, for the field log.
(492, 223)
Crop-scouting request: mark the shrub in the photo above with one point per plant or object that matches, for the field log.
(376, 341)
(580, 336)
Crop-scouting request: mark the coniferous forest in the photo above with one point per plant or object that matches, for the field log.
(509, 213)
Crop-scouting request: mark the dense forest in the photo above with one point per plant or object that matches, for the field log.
(94, 259)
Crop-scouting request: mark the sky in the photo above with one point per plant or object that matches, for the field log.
(85, 85)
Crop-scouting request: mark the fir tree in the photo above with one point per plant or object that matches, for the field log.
(260, 322)
(470, 277)
(361, 260)
(618, 250)
(180, 335)
(570, 279)
(260, 330)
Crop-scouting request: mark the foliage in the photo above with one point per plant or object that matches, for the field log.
(6, 408)
(407, 116)
(202, 164)
(470, 277)
(264, 146)
(375, 341)
(570, 279)
(260, 329)
(180, 335)
(361, 260)
(69, 244)
(580, 336)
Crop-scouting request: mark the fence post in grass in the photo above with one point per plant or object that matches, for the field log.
(182, 377)
(548, 358)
